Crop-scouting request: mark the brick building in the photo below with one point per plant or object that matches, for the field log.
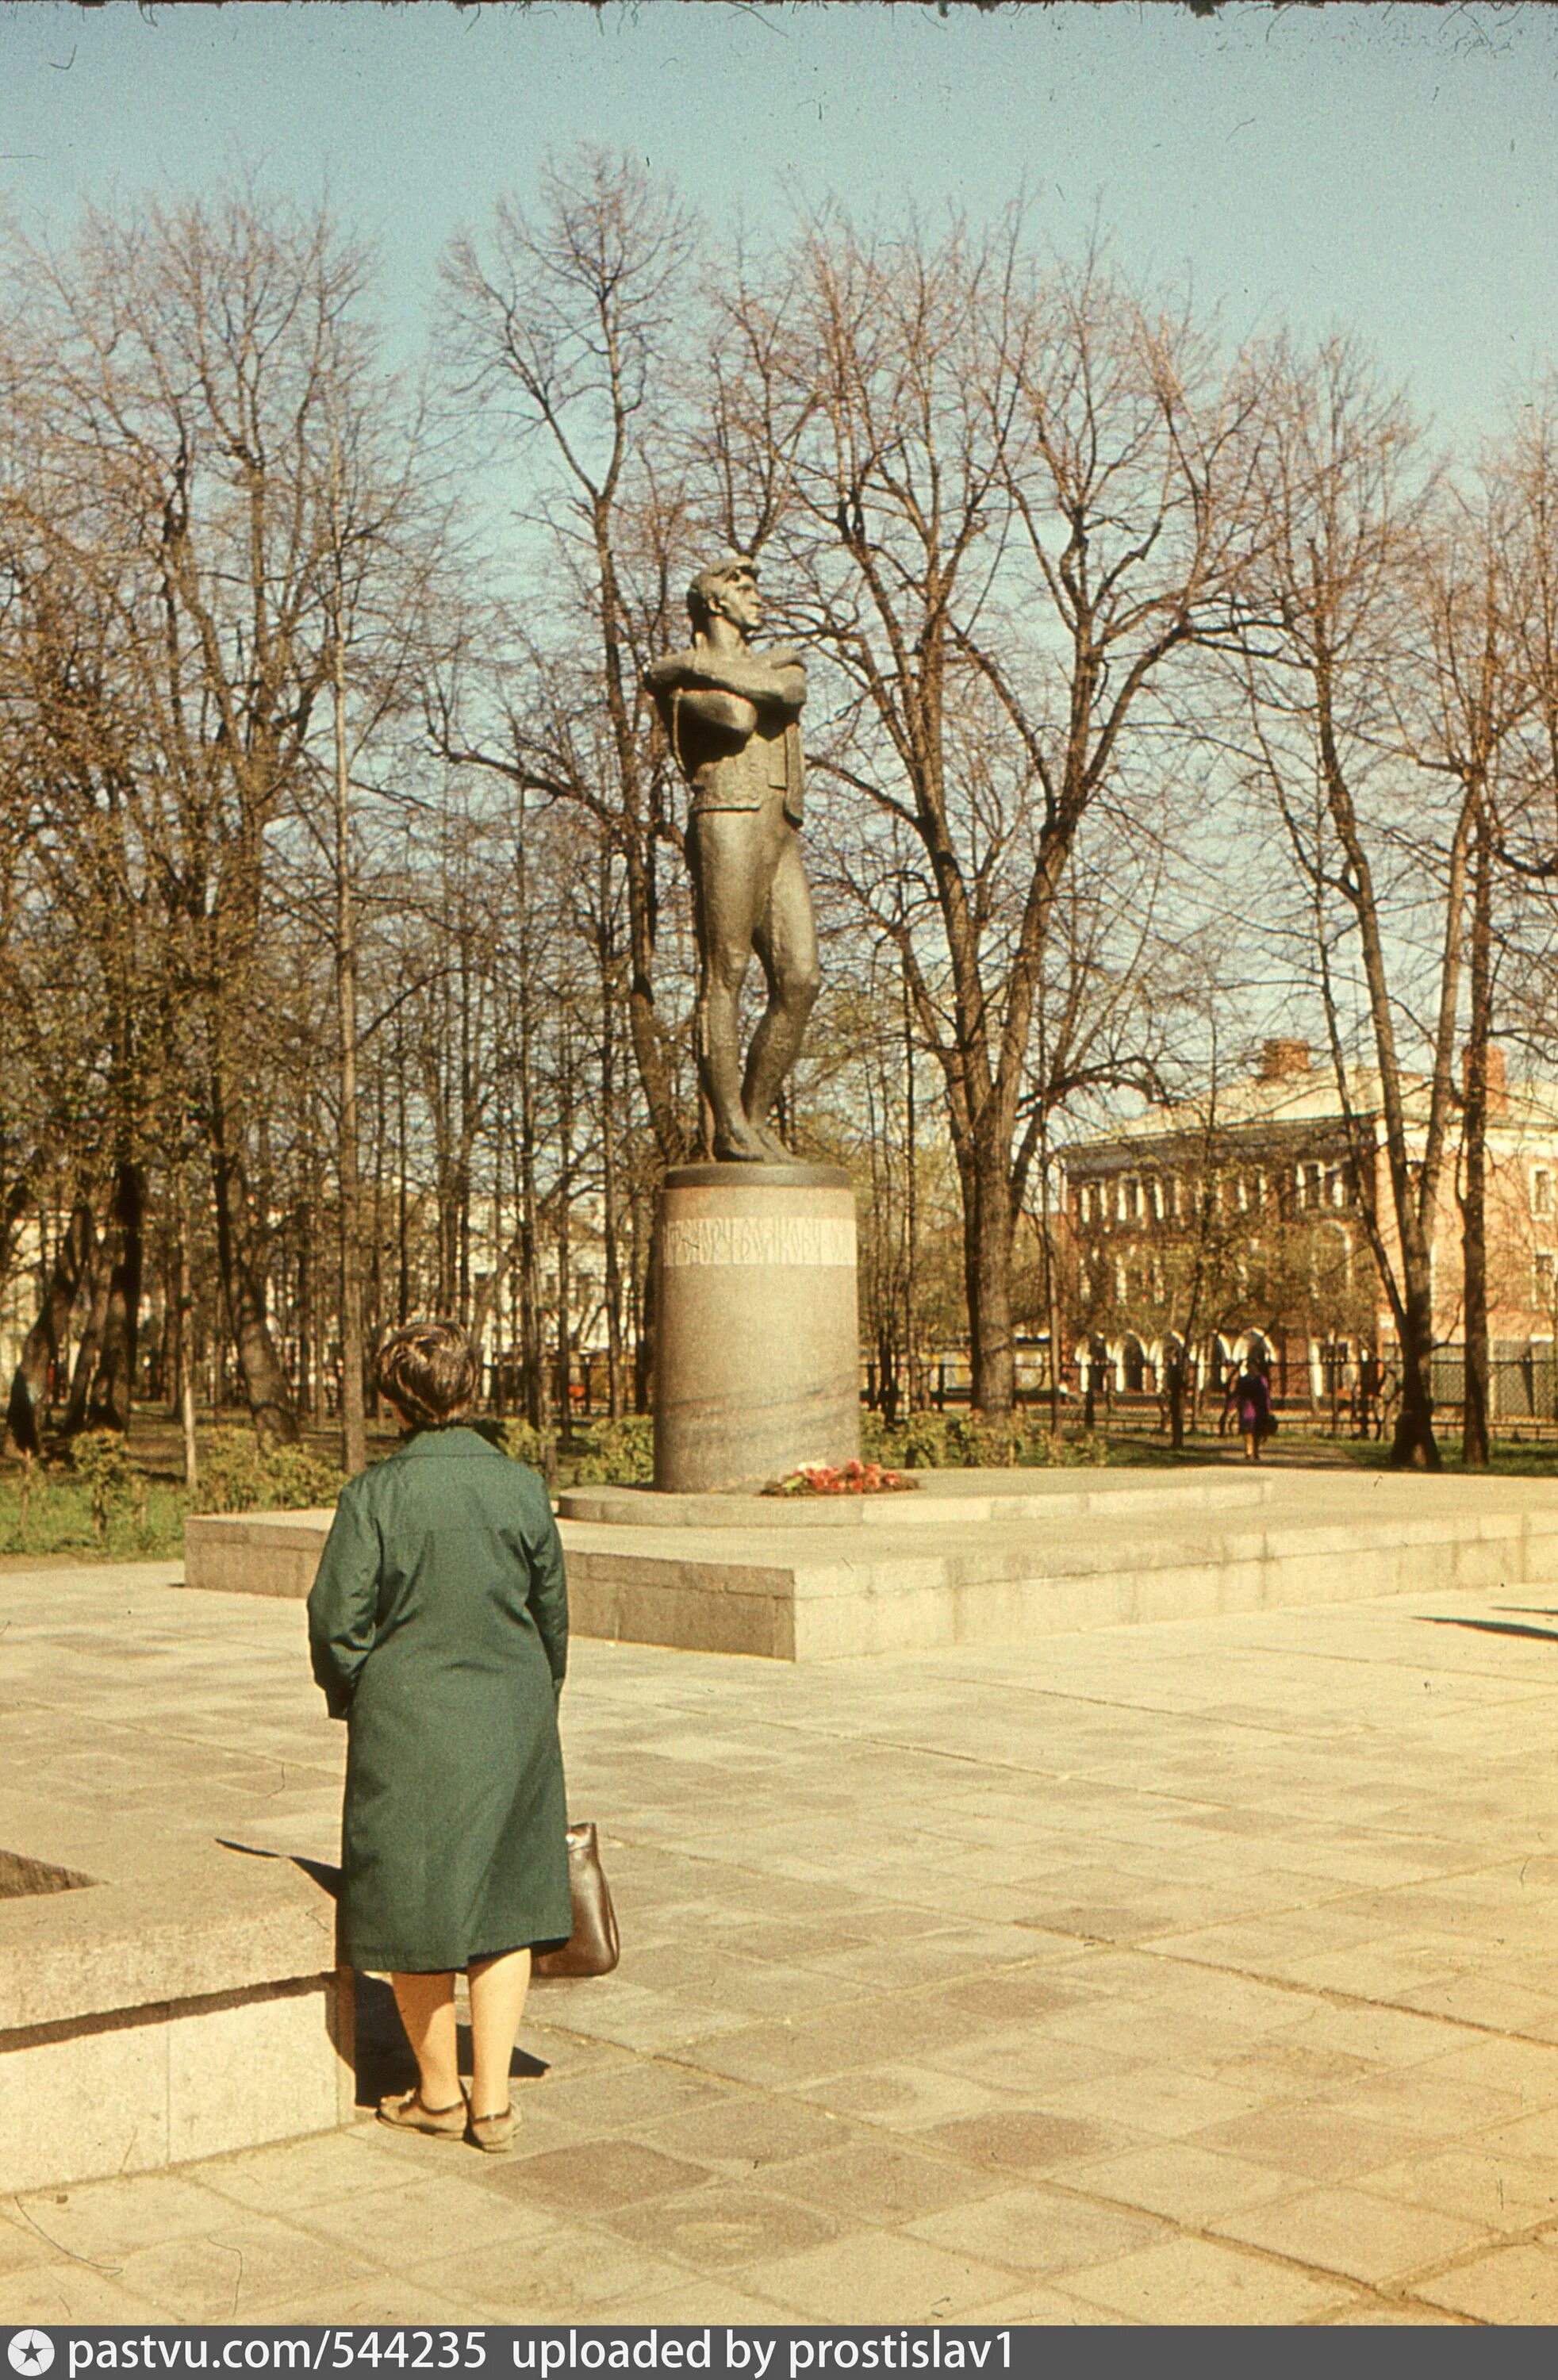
(1209, 1227)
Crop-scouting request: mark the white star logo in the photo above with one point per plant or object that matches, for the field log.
(30, 2352)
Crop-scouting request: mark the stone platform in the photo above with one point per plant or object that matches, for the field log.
(981, 1557)
(161, 1996)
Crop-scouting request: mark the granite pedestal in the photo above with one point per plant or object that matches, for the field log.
(757, 1334)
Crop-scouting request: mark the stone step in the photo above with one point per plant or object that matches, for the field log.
(973, 1497)
(985, 1559)
(760, 1597)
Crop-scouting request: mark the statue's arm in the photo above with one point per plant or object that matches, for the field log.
(715, 705)
(773, 681)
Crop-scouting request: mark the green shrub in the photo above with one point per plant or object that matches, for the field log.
(296, 1478)
(239, 1474)
(232, 1473)
(522, 1441)
(614, 1453)
(967, 1442)
(117, 1489)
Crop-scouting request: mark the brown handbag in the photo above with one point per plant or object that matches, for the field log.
(592, 1948)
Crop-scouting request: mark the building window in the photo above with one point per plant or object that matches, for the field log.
(1543, 1269)
(1541, 1191)
(1309, 1186)
(1241, 1194)
(1156, 1193)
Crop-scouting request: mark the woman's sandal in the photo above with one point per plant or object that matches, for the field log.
(493, 2134)
(407, 2114)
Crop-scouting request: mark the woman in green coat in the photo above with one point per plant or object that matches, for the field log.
(438, 1629)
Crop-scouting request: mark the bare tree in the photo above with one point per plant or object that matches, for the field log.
(1011, 497)
(567, 322)
(1350, 537)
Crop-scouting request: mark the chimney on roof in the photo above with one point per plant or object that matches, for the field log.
(1280, 1061)
(1498, 1084)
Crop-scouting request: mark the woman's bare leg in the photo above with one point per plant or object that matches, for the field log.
(497, 2002)
(427, 2010)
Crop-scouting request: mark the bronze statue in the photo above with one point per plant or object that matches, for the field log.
(731, 712)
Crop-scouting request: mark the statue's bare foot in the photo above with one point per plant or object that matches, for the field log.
(774, 1148)
(740, 1146)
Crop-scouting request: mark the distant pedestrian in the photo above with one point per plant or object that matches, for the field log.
(1251, 1398)
(438, 1629)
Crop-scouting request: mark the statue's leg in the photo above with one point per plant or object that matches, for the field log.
(730, 878)
(785, 938)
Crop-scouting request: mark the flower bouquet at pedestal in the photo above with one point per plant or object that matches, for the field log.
(852, 1478)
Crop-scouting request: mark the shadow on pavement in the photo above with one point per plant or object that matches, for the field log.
(1499, 1627)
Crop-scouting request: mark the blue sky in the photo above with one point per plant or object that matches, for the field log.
(1391, 169)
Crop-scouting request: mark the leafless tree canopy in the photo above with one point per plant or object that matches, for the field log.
(1162, 687)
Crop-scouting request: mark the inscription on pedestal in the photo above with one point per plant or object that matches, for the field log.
(759, 1240)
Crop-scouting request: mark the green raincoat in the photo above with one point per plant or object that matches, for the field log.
(439, 1628)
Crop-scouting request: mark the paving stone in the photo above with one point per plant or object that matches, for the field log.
(725, 2225)
(1204, 2284)
(552, 2277)
(223, 2274)
(1308, 2139)
(595, 2177)
(882, 2277)
(1514, 2285)
(1037, 2230)
(880, 2181)
(1351, 2232)
(1026, 2139)
(1177, 2179)
(1499, 2192)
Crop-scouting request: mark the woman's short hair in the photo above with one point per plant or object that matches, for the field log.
(428, 1370)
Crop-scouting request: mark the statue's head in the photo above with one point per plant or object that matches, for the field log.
(728, 589)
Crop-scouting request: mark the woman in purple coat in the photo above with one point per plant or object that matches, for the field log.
(1252, 1398)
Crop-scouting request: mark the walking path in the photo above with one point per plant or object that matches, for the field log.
(1188, 1973)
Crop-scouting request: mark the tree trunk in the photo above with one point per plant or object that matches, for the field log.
(264, 1382)
(184, 1297)
(113, 1387)
(90, 1343)
(32, 1384)
(1476, 1447)
(354, 1436)
(987, 1226)
(1413, 1443)
(563, 1389)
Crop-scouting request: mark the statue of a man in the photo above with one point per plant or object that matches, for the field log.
(731, 712)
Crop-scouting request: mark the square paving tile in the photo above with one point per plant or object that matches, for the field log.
(1319, 2141)
(1185, 2280)
(1027, 2139)
(1369, 2238)
(1179, 2179)
(1037, 2230)
(881, 2181)
(553, 2278)
(725, 2225)
(1514, 2285)
(245, 2260)
(593, 2177)
(881, 2277)
(746, 2133)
